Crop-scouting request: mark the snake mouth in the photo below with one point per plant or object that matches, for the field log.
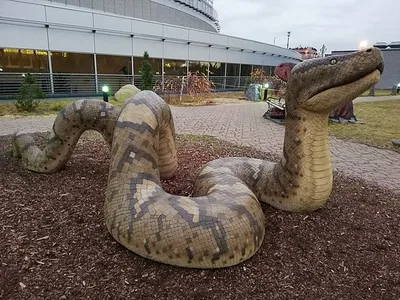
(330, 98)
(346, 90)
(340, 72)
(380, 67)
(363, 76)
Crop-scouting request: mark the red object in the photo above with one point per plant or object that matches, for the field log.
(344, 111)
(283, 71)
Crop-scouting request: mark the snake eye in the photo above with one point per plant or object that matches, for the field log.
(333, 61)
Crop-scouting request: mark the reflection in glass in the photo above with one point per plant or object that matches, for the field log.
(257, 68)
(23, 60)
(111, 64)
(217, 69)
(232, 70)
(64, 62)
(175, 67)
(245, 70)
(198, 66)
(155, 65)
(269, 70)
(73, 73)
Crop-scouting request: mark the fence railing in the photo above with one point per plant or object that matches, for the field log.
(78, 84)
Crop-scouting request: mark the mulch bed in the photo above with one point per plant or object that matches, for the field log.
(54, 244)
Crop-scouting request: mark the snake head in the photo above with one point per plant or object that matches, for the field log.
(320, 85)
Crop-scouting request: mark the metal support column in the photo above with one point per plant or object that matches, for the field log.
(49, 61)
(226, 71)
(162, 74)
(51, 72)
(95, 73)
(95, 60)
(132, 58)
(240, 72)
(133, 70)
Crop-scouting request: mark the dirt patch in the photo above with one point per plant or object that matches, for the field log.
(54, 244)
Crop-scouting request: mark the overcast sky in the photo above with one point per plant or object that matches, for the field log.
(338, 24)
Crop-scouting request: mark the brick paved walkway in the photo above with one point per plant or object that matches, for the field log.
(242, 124)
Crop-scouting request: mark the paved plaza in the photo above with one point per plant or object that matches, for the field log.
(243, 124)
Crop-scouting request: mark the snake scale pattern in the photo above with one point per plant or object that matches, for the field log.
(223, 223)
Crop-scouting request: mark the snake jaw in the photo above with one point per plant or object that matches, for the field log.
(341, 94)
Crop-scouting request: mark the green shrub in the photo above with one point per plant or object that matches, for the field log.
(147, 74)
(247, 83)
(29, 94)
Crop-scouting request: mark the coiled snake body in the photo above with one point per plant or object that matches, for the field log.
(223, 224)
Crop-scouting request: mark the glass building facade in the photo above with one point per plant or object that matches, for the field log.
(83, 73)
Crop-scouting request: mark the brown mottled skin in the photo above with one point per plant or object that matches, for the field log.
(223, 224)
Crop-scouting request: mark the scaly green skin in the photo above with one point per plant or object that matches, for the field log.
(223, 224)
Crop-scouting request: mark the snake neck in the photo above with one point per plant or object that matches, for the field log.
(302, 180)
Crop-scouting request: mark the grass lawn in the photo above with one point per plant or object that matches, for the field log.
(53, 107)
(381, 124)
(44, 108)
(379, 93)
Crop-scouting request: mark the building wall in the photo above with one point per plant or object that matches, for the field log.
(78, 45)
(391, 73)
(45, 26)
(188, 13)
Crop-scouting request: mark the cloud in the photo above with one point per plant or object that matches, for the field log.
(339, 24)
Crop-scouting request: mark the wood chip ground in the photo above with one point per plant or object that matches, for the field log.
(54, 244)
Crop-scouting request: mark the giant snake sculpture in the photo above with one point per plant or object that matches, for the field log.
(223, 223)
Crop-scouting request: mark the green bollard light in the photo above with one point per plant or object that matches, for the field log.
(105, 93)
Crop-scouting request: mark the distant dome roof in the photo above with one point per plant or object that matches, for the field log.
(381, 45)
(395, 45)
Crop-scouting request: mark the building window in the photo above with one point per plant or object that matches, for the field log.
(110, 64)
(269, 70)
(198, 66)
(23, 60)
(217, 69)
(155, 65)
(175, 67)
(73, 73)
(245, 70)
(64, 62)
(232, 70)
(257, 68)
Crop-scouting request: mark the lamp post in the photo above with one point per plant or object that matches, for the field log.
(274, 40)
(288, 39)
(105, 93)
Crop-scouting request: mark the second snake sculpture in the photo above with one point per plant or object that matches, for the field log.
(223, 224)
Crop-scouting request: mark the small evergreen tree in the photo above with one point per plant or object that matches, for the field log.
(147, 74)
(29, 94)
